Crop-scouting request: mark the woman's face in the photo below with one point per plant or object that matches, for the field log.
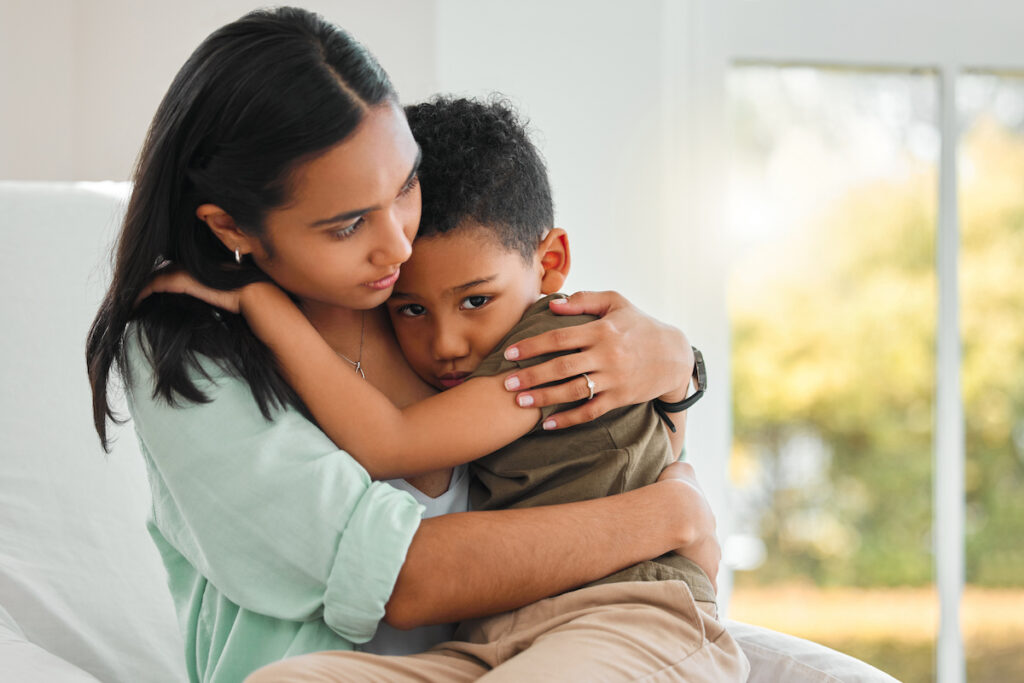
(351, 219)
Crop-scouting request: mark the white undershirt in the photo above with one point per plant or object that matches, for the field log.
(389, 640)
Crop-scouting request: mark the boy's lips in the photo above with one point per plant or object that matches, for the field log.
(452, 379)
(384, 282)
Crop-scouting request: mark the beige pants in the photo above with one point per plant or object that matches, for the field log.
(636, 631)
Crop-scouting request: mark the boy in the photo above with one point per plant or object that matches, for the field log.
(485, 253)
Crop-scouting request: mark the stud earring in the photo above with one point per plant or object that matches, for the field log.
(238, 256)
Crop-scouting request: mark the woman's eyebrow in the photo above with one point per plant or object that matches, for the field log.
(356, 213)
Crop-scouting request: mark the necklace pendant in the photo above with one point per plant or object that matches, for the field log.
(359, 369)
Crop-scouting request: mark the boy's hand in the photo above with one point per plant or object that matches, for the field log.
(629, 356)
(704, 550)
(176, 281)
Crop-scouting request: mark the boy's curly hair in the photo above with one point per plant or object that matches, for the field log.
(479, 164)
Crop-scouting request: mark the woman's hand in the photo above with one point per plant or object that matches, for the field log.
(176, 281)
(704, 549)
(629, 356)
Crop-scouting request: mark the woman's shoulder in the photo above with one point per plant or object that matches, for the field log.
(224, 412)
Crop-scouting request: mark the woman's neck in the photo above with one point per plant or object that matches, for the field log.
(339, 326)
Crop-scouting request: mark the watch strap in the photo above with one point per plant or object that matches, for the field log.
(700, 379)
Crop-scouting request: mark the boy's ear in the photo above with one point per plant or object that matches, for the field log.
(554, 260)
(223, 226)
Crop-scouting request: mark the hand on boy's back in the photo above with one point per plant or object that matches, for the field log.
(704, 550)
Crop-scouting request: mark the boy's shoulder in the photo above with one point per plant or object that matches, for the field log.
(537, 319)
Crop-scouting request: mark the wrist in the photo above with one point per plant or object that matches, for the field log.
(684, 371)
(254, 296)
(681, 529)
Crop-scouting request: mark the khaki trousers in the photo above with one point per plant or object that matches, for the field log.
(635, 631)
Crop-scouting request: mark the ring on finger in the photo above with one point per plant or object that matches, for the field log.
(590, 386)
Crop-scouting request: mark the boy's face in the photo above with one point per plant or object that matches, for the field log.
(457, 296)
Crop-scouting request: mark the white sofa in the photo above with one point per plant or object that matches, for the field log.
(82, 592)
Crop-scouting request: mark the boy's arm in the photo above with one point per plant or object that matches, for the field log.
(451, 428)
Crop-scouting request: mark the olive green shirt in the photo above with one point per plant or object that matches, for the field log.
(622, 450)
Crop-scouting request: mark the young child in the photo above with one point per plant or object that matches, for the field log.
(485, 255)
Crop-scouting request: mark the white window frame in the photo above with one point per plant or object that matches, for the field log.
(702, 39)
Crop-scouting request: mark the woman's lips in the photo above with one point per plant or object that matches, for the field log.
(452, 379)
(385, 282)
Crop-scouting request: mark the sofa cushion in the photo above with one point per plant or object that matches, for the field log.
(26, 662)
(778, 657)
(77, 569)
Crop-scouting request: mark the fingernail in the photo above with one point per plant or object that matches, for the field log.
(548, 424)
(559, 301)
(511, 353)
(512, 383)
(524, 400)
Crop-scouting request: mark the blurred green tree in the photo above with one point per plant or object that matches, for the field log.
(833, 379)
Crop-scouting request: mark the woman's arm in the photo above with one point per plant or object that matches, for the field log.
(478, 563)
(630, 357)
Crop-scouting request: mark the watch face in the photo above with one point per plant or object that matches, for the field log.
(699, 372)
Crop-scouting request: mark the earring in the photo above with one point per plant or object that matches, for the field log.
(238, 256)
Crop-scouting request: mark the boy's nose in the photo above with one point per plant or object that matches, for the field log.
(449, 344)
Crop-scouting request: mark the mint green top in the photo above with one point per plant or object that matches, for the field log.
(276, 543)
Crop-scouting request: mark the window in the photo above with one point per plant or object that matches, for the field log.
(833, 312)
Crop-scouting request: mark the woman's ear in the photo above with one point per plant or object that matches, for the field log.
(554, 260)
(223, 226)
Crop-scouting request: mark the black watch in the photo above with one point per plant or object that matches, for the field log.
(700, 384)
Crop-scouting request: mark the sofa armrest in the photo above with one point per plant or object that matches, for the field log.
(26, 662)
(778, 657)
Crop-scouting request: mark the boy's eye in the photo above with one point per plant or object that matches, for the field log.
(347, 231)
(475, 301)
(411, 310)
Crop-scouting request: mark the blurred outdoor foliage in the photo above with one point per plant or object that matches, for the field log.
(834, 380)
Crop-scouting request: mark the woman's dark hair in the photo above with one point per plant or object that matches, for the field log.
(256, 99)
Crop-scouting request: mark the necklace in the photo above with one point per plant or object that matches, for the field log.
(358, 362)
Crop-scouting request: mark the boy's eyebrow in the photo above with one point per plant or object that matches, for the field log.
(473, 283)
(356, 213)
(395, 294)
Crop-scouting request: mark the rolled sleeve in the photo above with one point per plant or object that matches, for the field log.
(271, 513)
(370, 555)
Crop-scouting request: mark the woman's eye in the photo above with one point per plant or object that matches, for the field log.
(347, 231)
(475, 301)
(412, 310)
(409, 186)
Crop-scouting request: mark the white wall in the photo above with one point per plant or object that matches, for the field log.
(36, 105)
(81, 79)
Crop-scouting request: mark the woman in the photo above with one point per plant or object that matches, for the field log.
(280, 151)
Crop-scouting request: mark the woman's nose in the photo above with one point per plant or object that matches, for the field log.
(394, 245)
